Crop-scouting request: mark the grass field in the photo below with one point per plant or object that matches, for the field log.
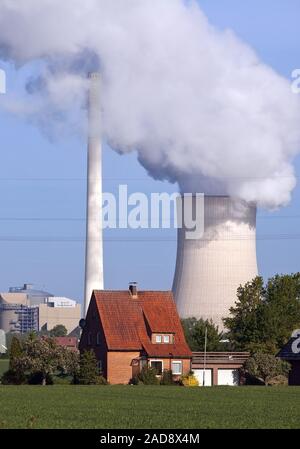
(148, 407)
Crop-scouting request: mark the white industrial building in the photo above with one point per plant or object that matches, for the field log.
(23, 309)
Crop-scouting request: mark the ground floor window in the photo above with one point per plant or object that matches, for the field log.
(157, 365)
(99, 367)
(177, 367)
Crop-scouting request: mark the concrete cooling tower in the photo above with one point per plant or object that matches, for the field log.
(209, 270)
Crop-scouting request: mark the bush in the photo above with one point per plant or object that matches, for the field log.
(88, 371)
(62, 380)
(37, 379)
(167, 378)
(100, 380)
(147, 376)
(189, 380)
(266, 367)
(12, 377)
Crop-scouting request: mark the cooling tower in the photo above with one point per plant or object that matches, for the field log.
(94, 240)
(209, 270)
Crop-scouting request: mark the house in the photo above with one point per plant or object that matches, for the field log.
(67, 342)
(129, 329)
(218, 368)
(291, 353)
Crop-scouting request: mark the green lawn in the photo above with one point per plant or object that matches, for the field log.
(148, 407)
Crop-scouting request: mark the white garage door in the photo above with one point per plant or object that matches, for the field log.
(199, 376)
(228, 376)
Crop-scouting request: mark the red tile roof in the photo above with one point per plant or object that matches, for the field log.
(125, 320)
(70, 342)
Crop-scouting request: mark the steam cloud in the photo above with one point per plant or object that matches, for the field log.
(195, 103)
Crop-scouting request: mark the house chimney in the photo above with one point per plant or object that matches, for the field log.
(133, 289)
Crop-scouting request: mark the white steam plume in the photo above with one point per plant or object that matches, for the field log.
(196, 103)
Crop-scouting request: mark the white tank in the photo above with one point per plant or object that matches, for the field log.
(209, 270)
(94, 239)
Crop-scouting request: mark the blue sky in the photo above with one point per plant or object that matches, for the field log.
(42, 185)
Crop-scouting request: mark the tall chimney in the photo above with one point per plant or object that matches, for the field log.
(94, 238)
(210, 270)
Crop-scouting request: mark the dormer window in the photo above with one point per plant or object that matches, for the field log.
(162, 339)
(158, 339)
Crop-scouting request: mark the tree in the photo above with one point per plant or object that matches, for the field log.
(59, 331)
(42, 355)
(15, 352)
(266, 367)
(265, 316)
(194, 331)
(15, 374)
(244, 323)
(88, 372)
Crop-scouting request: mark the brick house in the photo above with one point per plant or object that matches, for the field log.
(67, 342)
(130, 329)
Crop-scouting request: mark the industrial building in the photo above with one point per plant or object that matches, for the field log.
(24, 309)
(210, 269)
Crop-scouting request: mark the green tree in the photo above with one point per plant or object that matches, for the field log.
(42, 355)
(58, 331)
(194, 331)
(15, 374)
(266, 367)
(88, 372)
(265, 316)
(15, 352)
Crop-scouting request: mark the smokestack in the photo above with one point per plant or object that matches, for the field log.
(210, 270)
(94, 239)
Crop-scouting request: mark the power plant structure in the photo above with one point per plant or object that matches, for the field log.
(94, 237)
(210, 269)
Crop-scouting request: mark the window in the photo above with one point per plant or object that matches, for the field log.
(166, 338)
(157, 365)
(89, 338)
(99, 367)
(177, 367)
(158, 339)
(98, 338)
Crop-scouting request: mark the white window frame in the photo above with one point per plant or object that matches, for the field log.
(162, 365)
(169, 339)
(158, 337)
(176, 373)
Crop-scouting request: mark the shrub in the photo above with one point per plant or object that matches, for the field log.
(189, 380)
(147, 376)
(37, 378)
(12, 377)
(100, 380)
(88, 370)
(266, 367)
(167, 378)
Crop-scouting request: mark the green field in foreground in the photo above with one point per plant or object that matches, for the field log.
(148, 407)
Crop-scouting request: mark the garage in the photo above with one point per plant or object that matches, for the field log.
(228, 377)
(199, 376)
